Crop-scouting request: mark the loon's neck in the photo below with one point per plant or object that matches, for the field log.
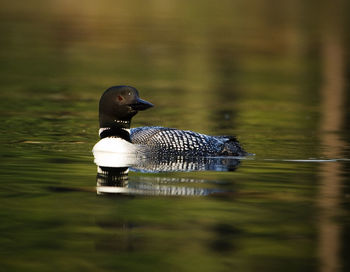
(119, 132)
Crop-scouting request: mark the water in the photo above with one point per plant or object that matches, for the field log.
(274, 74)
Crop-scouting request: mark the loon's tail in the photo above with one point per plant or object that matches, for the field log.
(232, 147)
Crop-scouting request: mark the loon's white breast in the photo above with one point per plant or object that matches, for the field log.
(114, 152)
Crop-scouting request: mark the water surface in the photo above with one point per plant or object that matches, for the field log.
(273, 74)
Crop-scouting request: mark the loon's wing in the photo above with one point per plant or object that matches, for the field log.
(170, 141)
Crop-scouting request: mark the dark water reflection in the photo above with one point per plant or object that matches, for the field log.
(274, 73)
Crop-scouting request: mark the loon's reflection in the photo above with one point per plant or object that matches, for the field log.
(184, 164)
(115, 180)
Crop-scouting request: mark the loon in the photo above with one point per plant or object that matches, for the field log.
(117, 106)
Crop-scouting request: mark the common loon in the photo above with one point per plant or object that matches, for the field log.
(119, 104)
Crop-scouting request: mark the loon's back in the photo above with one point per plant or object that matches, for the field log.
(170, 141)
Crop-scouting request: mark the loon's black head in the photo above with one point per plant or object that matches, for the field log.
(118, 104)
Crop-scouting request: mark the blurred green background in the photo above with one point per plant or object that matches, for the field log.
(274, 73)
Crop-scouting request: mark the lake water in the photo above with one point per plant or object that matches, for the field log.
(273, 73)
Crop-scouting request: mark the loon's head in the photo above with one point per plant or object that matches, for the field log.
(118, 104)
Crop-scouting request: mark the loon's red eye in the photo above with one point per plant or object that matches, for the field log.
(120, 98)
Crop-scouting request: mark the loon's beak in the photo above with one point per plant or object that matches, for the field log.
(141, 105)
